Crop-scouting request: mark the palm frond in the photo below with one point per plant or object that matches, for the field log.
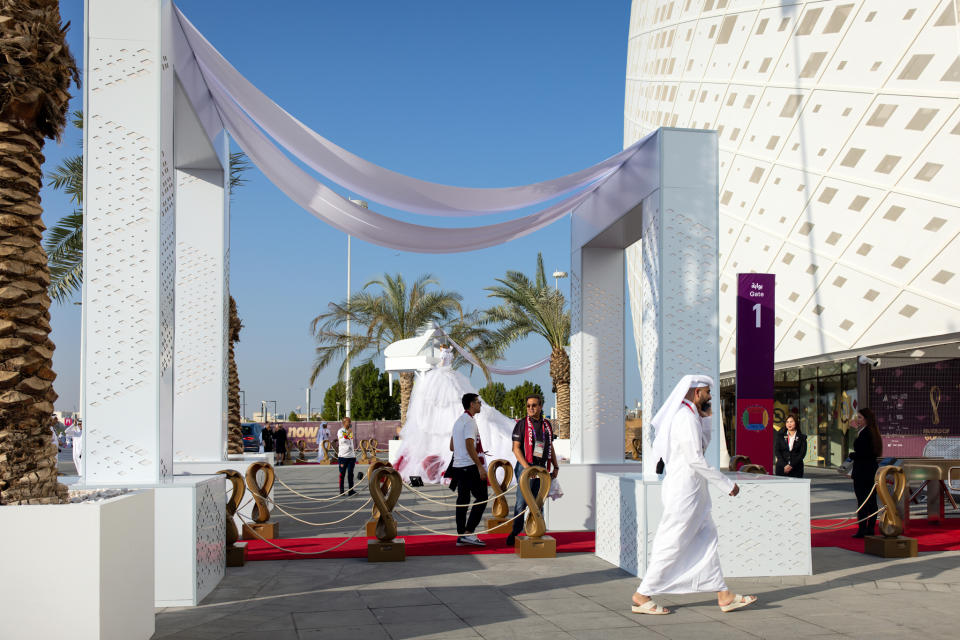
(68, 177)
(64, 247)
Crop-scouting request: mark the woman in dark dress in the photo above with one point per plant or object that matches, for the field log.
(791, 448)
(866, 449)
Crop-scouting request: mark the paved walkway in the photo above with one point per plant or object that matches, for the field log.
(850, 595)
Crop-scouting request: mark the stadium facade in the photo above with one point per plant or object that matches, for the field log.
(838, 126)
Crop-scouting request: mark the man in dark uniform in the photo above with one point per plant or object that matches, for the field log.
(280, 442)
(532, 447)
(267, 437)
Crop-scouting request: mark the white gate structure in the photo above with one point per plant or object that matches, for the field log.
(156, 286)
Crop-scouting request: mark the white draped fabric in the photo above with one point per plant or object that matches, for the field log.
(266, 133)
(497, 370)
(365, 178)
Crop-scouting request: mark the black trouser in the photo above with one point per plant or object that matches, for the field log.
(470, 483)
(862, 485)
(346, 467)
(796, 471)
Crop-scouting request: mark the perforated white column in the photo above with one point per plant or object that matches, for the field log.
(129, 253)
(200, 371)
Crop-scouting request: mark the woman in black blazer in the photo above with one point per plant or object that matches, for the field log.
(790, 448)
(866, 449)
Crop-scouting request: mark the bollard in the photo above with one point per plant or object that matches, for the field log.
(891, 544)
(385, 486)
(236, 551)
(500, 509)
(261, 526)
(535, 544)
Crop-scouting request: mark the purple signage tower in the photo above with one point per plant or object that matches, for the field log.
(755, 343)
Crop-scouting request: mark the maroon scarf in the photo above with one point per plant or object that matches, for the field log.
(530, 434)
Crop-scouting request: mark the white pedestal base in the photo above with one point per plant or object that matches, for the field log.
(575, 510)
(191, 539)
(79, 571)
(770, 516)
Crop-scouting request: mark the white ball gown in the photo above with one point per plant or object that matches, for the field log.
(435, 405)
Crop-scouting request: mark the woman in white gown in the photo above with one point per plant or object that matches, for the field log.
(435, 405)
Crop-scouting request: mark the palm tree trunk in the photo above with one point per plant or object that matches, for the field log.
(560, 373)
(234, 430)
(28, 456)
(406, 390)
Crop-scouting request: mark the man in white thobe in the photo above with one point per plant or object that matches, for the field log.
(75, 433)
(323, 433)
(685, 556)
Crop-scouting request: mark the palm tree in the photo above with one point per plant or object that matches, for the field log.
(532, 307)
(64, 241)
(234, 429)
(395, 311)
(36, 69)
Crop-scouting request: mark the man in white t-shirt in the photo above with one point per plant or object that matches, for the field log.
(347, 453)
(469, 474)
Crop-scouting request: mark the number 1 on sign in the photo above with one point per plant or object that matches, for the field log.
(756, 309)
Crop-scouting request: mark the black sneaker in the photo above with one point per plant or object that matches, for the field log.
(510, 540)
(351, 492)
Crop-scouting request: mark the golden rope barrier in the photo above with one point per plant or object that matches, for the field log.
(385, 486)
(497, 523)
(329, 455)
(892, 544)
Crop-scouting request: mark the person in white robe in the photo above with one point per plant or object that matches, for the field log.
(685, 556)
(75, 433)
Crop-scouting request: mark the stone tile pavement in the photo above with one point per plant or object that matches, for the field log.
(850, 595)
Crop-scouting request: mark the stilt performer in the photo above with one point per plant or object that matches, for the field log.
(685, 557)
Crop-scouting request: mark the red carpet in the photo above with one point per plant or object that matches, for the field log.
(429, 545)
(930, 537)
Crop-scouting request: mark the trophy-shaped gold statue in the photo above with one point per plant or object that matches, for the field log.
(236, 551)
(500, 510)
(536, 544)
(261, 527)
(374, 512)
(385, 486)
(891, 544)
(329, 454)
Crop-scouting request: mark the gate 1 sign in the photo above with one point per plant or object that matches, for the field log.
(755, 324)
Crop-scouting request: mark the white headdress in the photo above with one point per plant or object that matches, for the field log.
(664, 418)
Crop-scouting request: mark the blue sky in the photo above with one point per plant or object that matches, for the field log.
(472, 94)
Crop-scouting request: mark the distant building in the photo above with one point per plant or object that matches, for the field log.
(838, 125)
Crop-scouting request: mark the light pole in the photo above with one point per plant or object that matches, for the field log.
(243, 404)
(348, 389)
(338, 411)
(308, 404)
(556, 278)
(263, 411)
(274, 409)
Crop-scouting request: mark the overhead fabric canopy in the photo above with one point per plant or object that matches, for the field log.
(253, 119)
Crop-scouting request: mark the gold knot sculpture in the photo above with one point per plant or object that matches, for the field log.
(636, 443)
(261, 510)
(535, 525)
(233, 503)
(328, 453)
(500, 508)
(891, 524)
(385, 486)
(753, 468)
(738, 461)
(368, 448)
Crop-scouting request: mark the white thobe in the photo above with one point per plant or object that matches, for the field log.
(76, 441)
(685, 557)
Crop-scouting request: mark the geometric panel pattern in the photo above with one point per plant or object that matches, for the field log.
(838, 163)
(775, 511)
(210, 521)
(198, 352)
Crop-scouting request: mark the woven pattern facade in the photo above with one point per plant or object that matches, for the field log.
(210, 519)
(836, 164)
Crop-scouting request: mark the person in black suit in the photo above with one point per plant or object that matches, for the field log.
(866, 449)
(790, 448)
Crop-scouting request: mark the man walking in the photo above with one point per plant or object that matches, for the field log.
(323, 433)
(685, 556)
(532, 447)
(346, 453)
(469, 474)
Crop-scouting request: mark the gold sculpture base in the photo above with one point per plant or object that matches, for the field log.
(372, 528)
(899, 547)
(393, 551)
(542, 547)
(258, 530)
(237, 554)
(499, 525)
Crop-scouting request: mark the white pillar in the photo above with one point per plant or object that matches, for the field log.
(129, 252)
(596, 375)
(203, 315)
(679, 332)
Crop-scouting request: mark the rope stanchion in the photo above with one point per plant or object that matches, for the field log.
(302, 495)
(306, 553)
(321, 524)
(847, 522)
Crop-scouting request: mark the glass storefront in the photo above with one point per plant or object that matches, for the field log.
(822, 397)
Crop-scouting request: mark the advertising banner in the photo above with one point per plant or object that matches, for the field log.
(755, 343)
